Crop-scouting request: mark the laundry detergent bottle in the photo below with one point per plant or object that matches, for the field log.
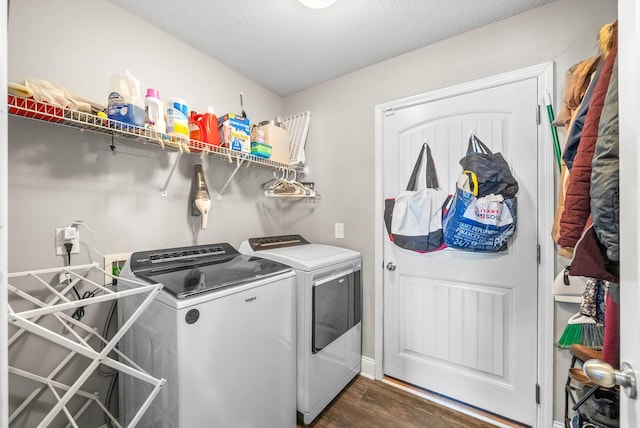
(125, 102)
(195, 131)
(209, 127)
(178, 117)
(154, 111)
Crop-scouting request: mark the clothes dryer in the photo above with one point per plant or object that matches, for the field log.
(329, 315)
(222, 334)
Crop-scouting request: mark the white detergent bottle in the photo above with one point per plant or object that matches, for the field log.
(154, 111)
(125, 99)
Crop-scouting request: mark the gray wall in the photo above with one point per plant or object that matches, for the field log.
(57, 175)
(341, 139)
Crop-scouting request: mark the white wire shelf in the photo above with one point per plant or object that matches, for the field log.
(29, 108)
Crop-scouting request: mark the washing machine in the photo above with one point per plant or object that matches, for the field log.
(221, 332)
(329, 315)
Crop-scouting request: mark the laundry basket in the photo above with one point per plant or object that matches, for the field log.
(298, 126)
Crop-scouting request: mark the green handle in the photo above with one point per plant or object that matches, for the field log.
(554, 133)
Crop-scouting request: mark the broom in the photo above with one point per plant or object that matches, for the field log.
(583, 330)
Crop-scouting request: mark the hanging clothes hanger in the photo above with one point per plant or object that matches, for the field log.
(287, 186)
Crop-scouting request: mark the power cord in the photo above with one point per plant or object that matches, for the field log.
(68, 246)
(79, 312)
(93, 247)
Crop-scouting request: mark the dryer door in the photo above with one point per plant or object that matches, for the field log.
(336, 307)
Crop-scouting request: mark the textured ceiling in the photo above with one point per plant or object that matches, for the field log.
(287, 47)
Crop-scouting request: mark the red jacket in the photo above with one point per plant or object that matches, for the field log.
(577, 206)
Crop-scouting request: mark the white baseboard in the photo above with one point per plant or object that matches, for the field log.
(367, 367)
(557, 424)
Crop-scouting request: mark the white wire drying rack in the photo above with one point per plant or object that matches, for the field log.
(56, 304)
(297, 126)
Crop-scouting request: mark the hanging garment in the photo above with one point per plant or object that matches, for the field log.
(575, 131)
(577, 93)
(611, 346)
(577, 80)
(593, 301)
(590, 258)
(577, 200)
(605, 174)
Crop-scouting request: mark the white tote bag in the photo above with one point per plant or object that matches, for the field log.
(415, 220)
(418, 212)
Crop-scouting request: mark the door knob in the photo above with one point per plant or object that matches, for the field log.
(604, 375)
(391, 266)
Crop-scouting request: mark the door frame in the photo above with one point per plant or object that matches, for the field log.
(629, 106)
(4, 199)
(544, 74)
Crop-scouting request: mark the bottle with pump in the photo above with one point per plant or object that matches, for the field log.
(154, 111)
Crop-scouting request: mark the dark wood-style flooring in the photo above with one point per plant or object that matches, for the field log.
(366, 403)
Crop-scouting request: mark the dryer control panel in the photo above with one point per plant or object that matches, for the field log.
(271, 242)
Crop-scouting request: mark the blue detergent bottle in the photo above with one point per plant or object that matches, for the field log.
(125, 99)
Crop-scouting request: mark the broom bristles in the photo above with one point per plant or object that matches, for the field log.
(572, 334)
(590, 335)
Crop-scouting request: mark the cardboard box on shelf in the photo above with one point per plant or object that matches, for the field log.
(235, 131)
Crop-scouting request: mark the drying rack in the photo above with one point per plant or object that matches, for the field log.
(297, 125)
(54, 306)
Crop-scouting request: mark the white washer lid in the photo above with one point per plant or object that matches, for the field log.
(304, 257)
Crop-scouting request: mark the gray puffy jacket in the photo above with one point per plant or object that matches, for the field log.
(605, 173)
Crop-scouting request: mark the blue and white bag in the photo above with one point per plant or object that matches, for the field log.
(479, 224)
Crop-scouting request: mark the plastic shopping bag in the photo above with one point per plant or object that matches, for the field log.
(479, 224)
(491, 169)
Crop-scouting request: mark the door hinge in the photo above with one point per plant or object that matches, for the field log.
(538, 114)
(537, 393)
(538, 253)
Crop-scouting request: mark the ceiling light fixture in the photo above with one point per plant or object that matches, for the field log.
(317, 4)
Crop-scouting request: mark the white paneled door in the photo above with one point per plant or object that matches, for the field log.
(458, 323)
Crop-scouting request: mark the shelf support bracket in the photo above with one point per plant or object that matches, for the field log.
(173, 169)
(240, 162)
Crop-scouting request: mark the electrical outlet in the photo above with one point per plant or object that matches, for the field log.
(113, 263)
(339, 230)
(64, 235)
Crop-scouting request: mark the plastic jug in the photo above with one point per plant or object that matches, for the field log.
(277, 137)
(178, 117)
(125, 102)
(208, 123)
(195, 131)
(154, 111)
